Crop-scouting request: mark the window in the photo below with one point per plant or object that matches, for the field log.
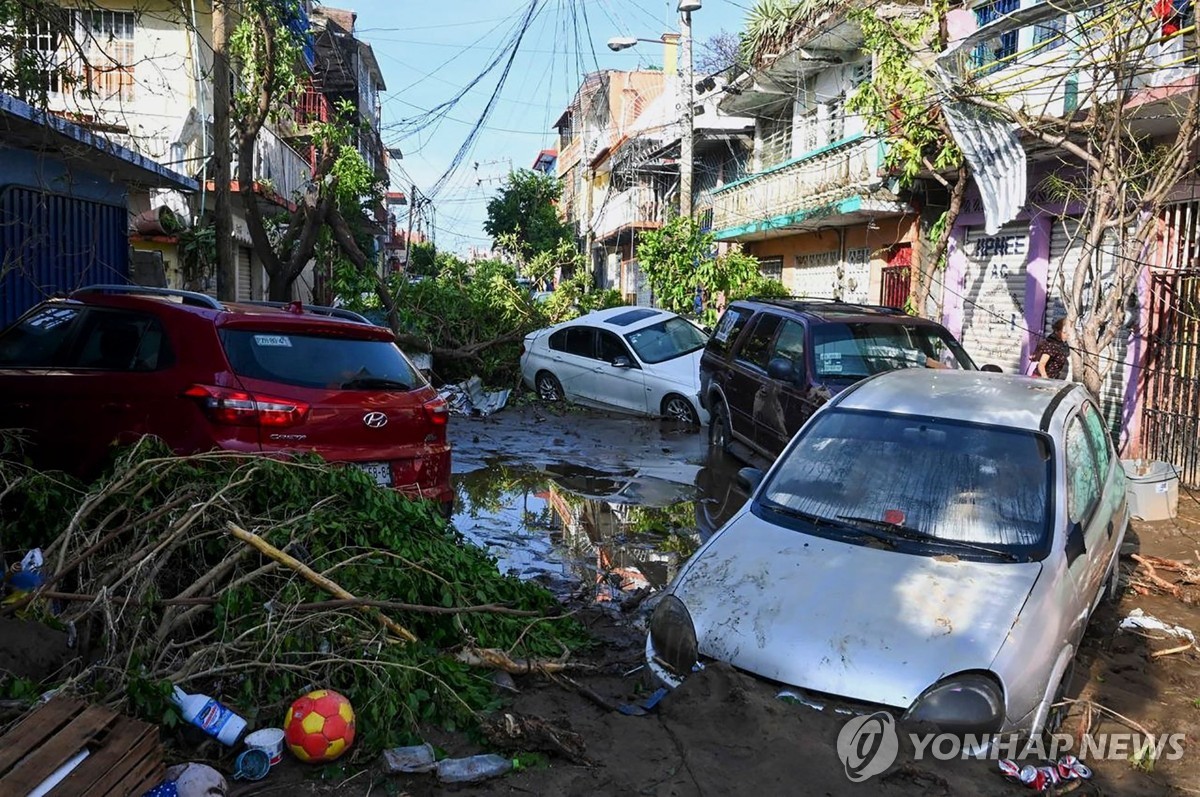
(43, 41)
(771, 267)
(122, 341)
(611, 347)
(951, 480)
(728, 329)
(666, 340)
(37, 340)
(1101, 447)
(776, 135)
(854, 351)
(790, 344)
(989, 55)
(1083, 477)
(757, 348)
(574, 340)
(107, 42)
(1051, 33)
(632, 316)
(319, 362)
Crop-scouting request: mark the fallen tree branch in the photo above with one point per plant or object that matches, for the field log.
(343, 603)
(1160, 653)
(499, 660)
(1155, 579)
(269, 550)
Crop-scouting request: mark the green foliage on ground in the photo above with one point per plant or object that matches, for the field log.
(160, 523)
(679, 258)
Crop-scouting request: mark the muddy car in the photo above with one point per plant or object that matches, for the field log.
(770, 363)
(932, 543)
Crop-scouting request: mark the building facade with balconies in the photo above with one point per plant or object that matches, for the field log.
(142, 79)
(817, 207)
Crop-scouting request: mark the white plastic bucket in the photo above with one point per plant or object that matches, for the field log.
(270, 741)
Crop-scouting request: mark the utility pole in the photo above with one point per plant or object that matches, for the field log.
(222, 175)
(688, 139)
(412, 208)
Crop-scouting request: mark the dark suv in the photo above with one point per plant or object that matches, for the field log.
(113, 363)
(770, 363)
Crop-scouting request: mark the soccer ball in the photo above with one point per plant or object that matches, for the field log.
(319, 726)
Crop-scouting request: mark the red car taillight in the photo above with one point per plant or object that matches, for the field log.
(237, 408)
(437, 411)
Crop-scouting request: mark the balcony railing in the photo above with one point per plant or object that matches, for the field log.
(637, 206)
(809, 182)
(278, 167)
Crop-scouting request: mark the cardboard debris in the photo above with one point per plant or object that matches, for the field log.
(469, 398)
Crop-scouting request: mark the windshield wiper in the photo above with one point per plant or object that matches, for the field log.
(839, 523)
(376, 383)
(910, 533)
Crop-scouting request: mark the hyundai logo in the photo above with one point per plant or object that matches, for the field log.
(375, 420)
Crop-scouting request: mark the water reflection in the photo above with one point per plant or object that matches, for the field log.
(613, 531)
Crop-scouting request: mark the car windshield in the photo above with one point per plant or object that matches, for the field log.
(857, 350)
(959, 482)
(666, 340)
(319, 362)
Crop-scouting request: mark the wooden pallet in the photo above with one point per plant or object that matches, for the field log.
(124, 760)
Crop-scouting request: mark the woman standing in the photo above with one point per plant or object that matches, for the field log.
(1050, 356)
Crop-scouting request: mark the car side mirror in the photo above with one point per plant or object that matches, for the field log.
(749, 479)
(781, 368)
(1075, 544)
(990, 368)
(621, 362)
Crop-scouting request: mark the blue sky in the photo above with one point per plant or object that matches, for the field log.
(429, 51)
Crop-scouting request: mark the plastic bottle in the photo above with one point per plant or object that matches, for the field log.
(477, 767)
(210, 716)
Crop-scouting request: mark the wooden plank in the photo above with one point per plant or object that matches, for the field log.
(144, 777)
(35, 728)
(41, 763)
(119, 751)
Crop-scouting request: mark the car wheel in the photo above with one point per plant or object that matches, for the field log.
(719, 433)
(677, 408)
(548, 387)
(1057, 713)
(1111, 590)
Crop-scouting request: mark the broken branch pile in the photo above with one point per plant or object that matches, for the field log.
(256, 579)
(1148, 577)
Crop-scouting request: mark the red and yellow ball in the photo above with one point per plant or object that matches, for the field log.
(319, 726)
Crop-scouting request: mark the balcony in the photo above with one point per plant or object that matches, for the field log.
(279, 170)
(836, 184)
(635, 208)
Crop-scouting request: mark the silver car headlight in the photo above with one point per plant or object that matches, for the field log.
(674, 635)
(970, 703)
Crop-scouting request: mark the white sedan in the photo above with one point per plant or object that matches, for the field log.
(629, 359)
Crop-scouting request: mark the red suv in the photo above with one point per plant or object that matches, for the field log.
(113, 363)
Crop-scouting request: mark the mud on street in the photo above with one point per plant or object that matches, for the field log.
(604, 509)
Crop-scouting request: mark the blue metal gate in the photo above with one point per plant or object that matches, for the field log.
(51, 243)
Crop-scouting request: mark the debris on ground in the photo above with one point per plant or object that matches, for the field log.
(418, 758)
(517, 733)
(475, 768)
(1145, 579)
(1138, 619)
(470, 399)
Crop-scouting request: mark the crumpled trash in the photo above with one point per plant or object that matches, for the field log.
(469, 398)
(1145, 622)
(419, 758)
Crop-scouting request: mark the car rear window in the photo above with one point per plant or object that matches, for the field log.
(857, 350)
(318, 361)
(728, 329)
(38, 339)
(984, 485)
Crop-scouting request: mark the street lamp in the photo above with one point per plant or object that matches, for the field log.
(688, 139)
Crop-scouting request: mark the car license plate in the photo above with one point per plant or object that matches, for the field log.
(381, 472)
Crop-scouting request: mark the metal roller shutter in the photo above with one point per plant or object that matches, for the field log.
(994, 296)
(816, 275)
(245, 275)
(1066, 247)
(856, 281)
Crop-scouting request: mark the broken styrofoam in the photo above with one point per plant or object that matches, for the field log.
(469, 398)
(1145, 622)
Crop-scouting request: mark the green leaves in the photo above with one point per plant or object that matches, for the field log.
(525, 209)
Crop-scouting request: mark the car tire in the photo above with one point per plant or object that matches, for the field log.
(548, 387)
(1111, 591)
(1056, 714)
(720, 435)
(676, 408)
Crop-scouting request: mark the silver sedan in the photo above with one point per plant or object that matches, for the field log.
(930, 543)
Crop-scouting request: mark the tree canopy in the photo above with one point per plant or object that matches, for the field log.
(525, 208)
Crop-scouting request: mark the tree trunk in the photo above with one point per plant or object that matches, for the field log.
(922, 283)
(279, 287)
(222, 174)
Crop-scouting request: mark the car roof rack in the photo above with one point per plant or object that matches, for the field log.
(821, 302)
(318, 309)
(188, 297)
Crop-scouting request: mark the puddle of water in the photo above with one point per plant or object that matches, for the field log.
(613, 531)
